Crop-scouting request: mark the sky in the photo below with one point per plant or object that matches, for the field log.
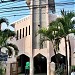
(66, 7)
(13, 14)
(16, 10)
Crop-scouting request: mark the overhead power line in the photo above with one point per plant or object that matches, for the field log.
(24, 12)
(14, 15)
(20, 8)
(14, 7)
(9, 3)
(12, 10)
(6, 1)
(35, 6)
(51, 4)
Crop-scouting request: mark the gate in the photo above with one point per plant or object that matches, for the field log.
(14, 68)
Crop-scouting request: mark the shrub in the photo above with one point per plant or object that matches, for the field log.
(73, 67)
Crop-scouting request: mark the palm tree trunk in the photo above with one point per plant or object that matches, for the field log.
(0, 27)
(66, 56)
(54, 52)
(56, 58)
(69, 56)
(0, 51)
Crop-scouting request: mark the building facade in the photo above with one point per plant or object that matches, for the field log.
(29, 44)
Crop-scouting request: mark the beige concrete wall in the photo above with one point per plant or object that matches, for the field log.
(25, 43)
(52, 17)
(72, 41)
(8, 69)
(62, 47)
(44, 52)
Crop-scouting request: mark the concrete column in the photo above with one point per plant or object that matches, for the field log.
(48, 66)
(52, 67)
(31, 66)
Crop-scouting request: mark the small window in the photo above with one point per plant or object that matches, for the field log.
(29, 30)
(26, 31)
(17, 35)
(20, 33)
(23, 32)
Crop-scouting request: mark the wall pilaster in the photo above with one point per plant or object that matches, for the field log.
(31, 66)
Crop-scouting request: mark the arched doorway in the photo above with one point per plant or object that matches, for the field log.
(60, 63)
(22, 59)
(40, 65)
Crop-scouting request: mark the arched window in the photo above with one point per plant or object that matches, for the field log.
(20, 33)
(26, 31)
(23, 32)
(17, 35)
(29, 30)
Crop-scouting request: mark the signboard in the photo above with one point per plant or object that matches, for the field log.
(3, 56)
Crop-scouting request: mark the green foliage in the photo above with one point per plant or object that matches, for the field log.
(73, 67)
(60, 69)
(51, 34)
(4, 36)
(4, 20)
(2, 69)
(9, 33)
(58, 29)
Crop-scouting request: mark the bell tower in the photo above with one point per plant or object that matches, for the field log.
(40, 18)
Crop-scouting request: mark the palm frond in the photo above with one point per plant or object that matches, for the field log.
(13, 46)
(4, 36)
(9, 33)
(42, 31)
(4, 20)
(70, 15)
(73, 24)
(42, 40)
(59, 28)
(9, 51)
(72, 31)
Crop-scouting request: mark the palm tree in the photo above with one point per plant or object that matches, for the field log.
(58, 29)
(4, 36)
(53, 33)
(50, 34)
(68, 27)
